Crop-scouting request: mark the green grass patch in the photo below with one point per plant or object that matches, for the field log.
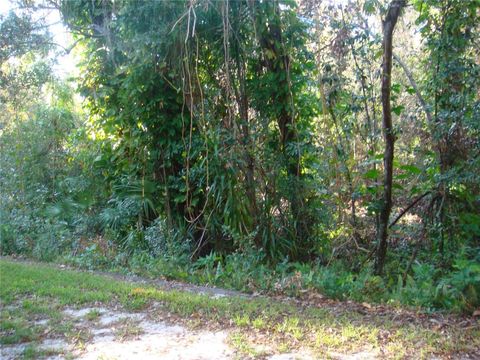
(31, 352)
(16, 331)
(242, 344)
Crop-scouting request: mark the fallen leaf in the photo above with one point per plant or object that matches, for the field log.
(367, 305)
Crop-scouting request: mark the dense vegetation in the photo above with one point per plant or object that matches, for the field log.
(239, 143)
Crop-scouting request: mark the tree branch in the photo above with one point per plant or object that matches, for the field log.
(404, 211)
(413, 84)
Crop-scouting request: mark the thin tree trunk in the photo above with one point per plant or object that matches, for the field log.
(414, 85)
(382, 234)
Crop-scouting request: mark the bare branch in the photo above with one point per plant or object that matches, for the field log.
(413, 84)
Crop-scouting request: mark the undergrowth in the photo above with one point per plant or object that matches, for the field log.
(427, 288)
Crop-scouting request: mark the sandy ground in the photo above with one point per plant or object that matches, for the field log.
(126, 336)
(117, 335)
(121, 335)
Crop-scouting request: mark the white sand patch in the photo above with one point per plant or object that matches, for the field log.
(106, 317)
(12, 352)
(218, 296)
(161, 328)
(290, 357)
(101, 332)
(41, 322)
(53, 344)
(157, 340)
(79, 313)
(113, 317)
(363, 355)
(161, 341)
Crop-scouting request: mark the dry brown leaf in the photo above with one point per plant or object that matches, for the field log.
(367, 305)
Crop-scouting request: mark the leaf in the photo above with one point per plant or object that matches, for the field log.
(270, 54)
(398, 109)
(180, 199)
(369, 7)
(371, 174)
(410, 90)
(411, 169)
(397, 186)
(366, 305)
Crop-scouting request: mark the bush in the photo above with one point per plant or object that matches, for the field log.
(91, 259)
(8, 245)
(460, 289)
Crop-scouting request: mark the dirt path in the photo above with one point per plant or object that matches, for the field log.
(119, 335)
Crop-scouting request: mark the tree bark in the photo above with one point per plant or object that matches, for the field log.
(382, 234)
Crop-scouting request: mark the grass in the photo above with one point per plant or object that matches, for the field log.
(93, 315)
(16, 331)
(40, 291)
(32, 352)
(126, 329)
(244, 346)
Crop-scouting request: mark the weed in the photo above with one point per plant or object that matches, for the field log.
(93, 315)
(126, 329)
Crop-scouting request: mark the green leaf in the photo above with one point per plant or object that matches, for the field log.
(397, 186)
(396, 88)
(411, 169)
(371, 174)
(378, 54)
(398, 109)
(369, 7)
(410, 90)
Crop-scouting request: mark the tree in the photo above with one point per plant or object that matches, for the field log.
(19, 35)
(451, 30)
(389, 23)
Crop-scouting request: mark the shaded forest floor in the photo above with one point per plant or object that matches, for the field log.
(55, 312)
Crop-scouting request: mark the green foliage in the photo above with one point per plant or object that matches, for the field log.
(91, 258)
(21, 35)
(237, 144)
(460, 289)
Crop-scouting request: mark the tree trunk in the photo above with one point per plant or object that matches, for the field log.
(382, 234)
